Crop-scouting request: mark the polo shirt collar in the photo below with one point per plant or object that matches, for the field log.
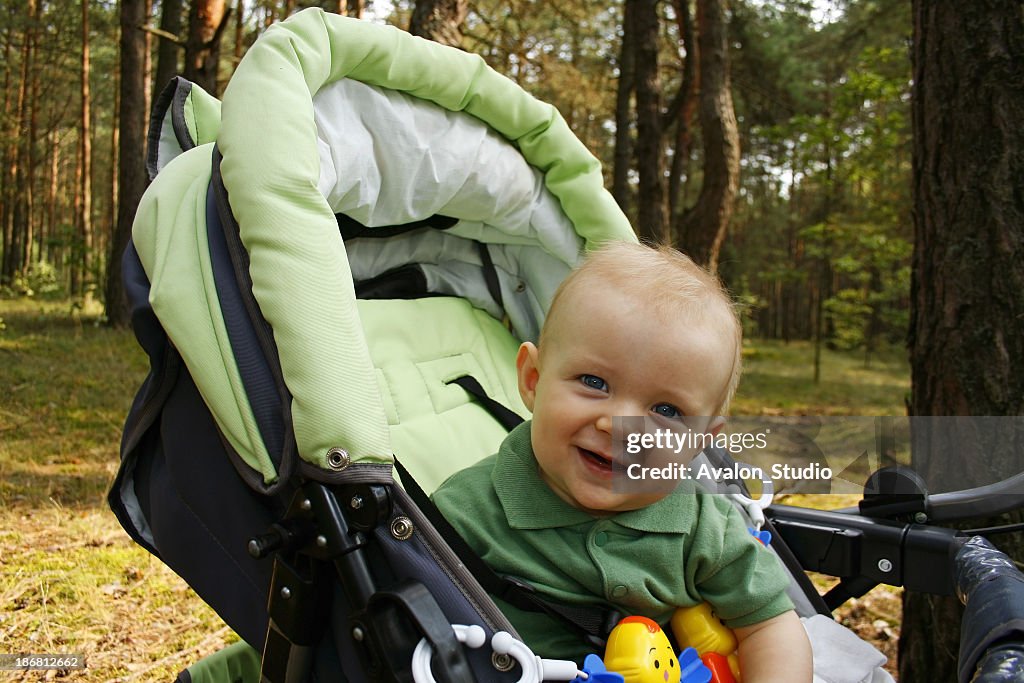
(529, 503)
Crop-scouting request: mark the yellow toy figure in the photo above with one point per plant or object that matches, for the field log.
(699, 628)
(639, 650)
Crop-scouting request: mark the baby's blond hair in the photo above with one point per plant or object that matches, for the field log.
(666, 282)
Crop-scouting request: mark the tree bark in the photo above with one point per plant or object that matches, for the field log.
(239, 46)
(680, 111)
(624, 109)
(702, 229)
(7, 175)
(652, 222)
(355, 8)
(168, 52)
(439, 20)
(206, 23)
(21, 219)
(131, 165)
(52, 186)
(85, 142)
(966, 337)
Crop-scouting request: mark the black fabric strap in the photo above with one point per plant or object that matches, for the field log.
(350, 228)
(505, 416)
(490, 275)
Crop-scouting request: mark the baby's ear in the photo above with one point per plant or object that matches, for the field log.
(716, 424)
(528, 370)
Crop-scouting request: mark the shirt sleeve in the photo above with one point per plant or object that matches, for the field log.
(743, 581)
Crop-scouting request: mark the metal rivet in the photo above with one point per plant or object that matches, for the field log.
(286, 592)
(321, 541)
(401, 528)
(306, 505)
(520, 287)
(885, 565)
(338, 458)
(358, 634)
(502, 662)
(356, 503)
(920, 517)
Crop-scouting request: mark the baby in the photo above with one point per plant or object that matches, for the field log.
(634, 331)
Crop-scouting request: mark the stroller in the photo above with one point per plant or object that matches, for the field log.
(293, 372)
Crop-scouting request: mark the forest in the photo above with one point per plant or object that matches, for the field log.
(797, 190)
(851, 169)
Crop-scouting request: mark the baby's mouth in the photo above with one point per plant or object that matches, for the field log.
(596, 459)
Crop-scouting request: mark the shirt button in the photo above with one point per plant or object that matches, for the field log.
(619, 591)
(600, 538)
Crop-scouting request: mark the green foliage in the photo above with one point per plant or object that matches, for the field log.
(42, 279)
(824, 211)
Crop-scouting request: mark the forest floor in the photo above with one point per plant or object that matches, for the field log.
(71, 580)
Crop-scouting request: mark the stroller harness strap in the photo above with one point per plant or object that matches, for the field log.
(507, 417)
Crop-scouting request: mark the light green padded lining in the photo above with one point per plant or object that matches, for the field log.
(170, 236)
(417, 346)
(298, 263)
(202, 115)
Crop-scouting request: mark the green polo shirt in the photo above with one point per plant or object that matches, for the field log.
(687, 548)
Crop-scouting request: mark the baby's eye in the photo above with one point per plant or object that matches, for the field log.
(594, 382)
(667, 410)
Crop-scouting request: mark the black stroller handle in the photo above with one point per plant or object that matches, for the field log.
(983, 501)
(992, 629)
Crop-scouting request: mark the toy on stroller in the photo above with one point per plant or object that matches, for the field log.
(292, 371)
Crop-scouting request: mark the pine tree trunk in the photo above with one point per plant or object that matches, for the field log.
(207, 20)
(28, 245)
(623, 109)
(704, 227)
(652, 222)
(355, 8)
(439, 20)
(681, 111)
(131, 165)
(967, 308)
(6, 179)
(85, 139)
(168, 52)
(21, 217)
(239, 34)
(52, 185)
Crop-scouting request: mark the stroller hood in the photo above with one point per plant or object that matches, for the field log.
(338, 121)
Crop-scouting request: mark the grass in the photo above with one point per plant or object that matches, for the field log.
(72, 582)
(778, 379)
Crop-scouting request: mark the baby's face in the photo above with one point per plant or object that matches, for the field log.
(611, 356)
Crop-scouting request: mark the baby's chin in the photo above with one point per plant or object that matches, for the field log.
(611, 503)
